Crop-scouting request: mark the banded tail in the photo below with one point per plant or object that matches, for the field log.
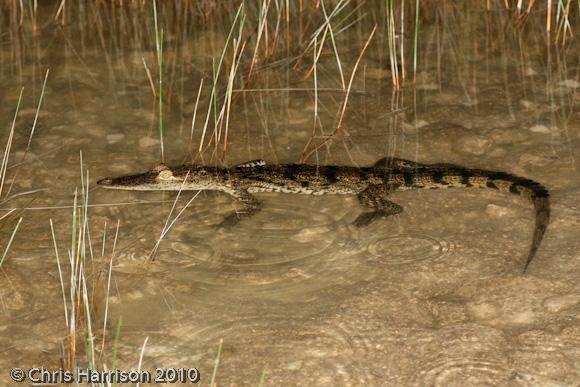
(535, 192)
(542, 207)
(449, 175)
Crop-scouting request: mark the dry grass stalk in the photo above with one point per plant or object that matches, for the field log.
(150, 78)
(337, 131)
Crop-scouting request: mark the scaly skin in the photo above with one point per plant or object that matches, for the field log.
(371, 184)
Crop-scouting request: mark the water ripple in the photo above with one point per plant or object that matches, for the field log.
(287, 249)
(541, 355)
(467, 371)
(460, 355)
(313, 351)
(407, 248)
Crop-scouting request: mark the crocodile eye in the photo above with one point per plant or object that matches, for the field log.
(160, 167)
(165, 174)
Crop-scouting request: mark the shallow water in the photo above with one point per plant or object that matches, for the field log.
(299, 296)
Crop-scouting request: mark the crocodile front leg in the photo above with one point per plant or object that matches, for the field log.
(375, 198)
(250, 206)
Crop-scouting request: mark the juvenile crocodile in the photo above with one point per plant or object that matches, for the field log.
(371, 184)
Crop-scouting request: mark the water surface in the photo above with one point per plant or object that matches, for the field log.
(299, 296)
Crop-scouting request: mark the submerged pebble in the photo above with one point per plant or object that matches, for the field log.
(295, 365)
(508, 136)
(307, 234)
(411, 128)
(298, 117)
(115, 137)
(535, 160)
(570, 83)
(501, 315)
(473, 145)
(484, 310)
(498, 152)
(428, 87)
(498, 211)
(528, 104)
(556, 304)
(540, 129)
(145, 142)
(377, 73)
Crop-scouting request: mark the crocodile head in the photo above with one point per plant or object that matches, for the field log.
(164, 178)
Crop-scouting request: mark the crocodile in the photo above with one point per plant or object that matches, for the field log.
(372, 185)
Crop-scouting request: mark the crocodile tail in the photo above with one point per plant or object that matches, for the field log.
(541, 202)
(536, 193)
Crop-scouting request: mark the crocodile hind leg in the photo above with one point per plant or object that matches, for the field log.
(375, 198)
(250, 206)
